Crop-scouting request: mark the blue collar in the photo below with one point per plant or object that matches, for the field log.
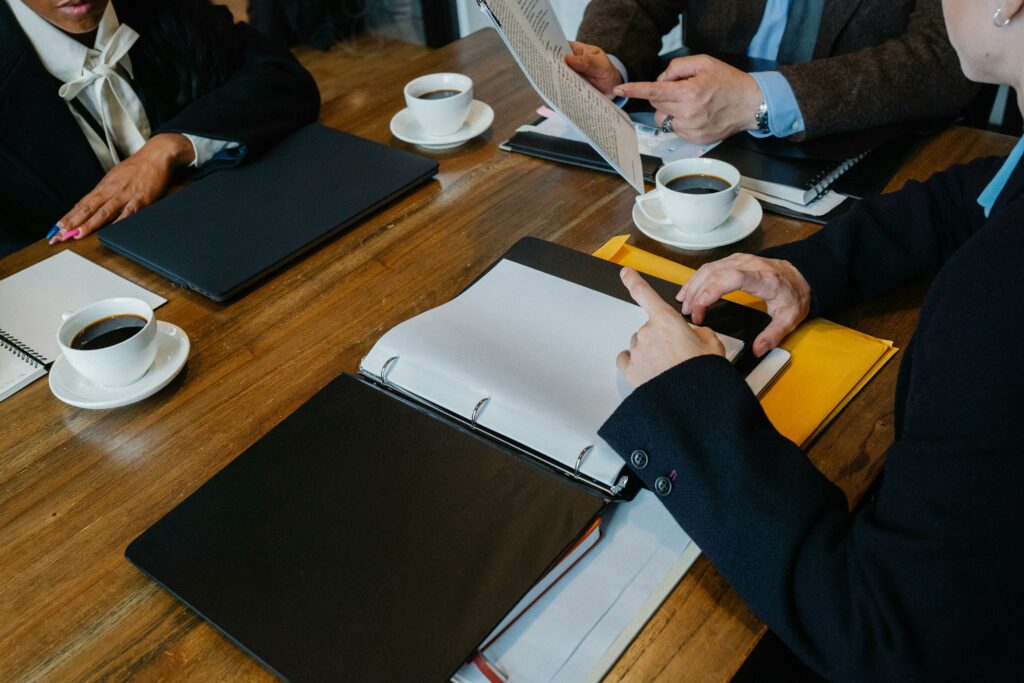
(990, 194)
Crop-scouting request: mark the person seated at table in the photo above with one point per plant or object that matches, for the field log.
(99, 107)
(842, 66)
(923, 580)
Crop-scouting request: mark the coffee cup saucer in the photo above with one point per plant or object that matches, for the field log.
(74, 389)
(404, 126)
(745, 217)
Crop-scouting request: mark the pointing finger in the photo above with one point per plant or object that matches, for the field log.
(643, 294)
(663, 92)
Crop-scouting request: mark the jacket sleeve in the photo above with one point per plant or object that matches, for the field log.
(887, 240)
(914, 586)
(631, 30)
(916, 76)
(268, 96)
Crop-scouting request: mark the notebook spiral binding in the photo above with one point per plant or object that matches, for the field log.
(20, 349)
(821, 183)
(473, 423)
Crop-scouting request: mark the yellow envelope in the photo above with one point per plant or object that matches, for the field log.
(830, 363)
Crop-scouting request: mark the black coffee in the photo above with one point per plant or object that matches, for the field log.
(107, 332)
(438, 94)
(698, 183)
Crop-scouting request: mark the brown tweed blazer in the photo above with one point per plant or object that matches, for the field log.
(875, 61)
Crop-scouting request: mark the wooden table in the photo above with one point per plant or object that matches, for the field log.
(76, 486)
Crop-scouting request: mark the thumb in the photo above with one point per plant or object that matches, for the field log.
(770, 337)
(580, 63)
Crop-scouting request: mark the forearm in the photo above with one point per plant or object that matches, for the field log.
(915, 76)
(267, 97)
(857, 597)
(891, 239)
(750, 499)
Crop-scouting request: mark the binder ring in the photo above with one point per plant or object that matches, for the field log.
(479, 406)
(579, 460)
(388, 364)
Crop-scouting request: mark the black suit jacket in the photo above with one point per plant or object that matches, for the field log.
(924, 582)
(46, 164)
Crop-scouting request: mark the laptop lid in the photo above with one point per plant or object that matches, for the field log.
(224, 232)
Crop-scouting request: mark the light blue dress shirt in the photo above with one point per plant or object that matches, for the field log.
(990, 194)
(784, 118)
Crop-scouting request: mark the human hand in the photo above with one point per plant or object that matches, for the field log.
(592, 63)
(665, 340)
(779, 283)
(708, 99)
(136, 182)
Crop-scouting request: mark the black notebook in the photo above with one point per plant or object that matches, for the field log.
(571, 152)
(224, 232)
(384, 529)
(797, 179)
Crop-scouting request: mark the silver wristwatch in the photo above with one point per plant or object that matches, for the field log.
(761, 118)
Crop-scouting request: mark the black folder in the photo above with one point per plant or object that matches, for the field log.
(369, 537)
(224, 232)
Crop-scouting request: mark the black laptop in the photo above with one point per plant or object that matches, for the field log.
(222, 233)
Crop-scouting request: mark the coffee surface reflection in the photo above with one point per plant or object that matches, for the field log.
(107, 332)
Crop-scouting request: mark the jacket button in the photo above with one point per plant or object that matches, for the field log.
(638, 459)
(663, 486)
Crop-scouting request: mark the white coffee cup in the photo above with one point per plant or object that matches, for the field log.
(691, 213)
(443, 116)
(120, 364)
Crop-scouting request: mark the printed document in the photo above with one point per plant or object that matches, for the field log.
(534, 37)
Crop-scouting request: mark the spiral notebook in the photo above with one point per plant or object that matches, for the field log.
(31, 304)
(794, 179)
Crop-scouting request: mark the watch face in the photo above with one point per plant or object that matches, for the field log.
(761, 117)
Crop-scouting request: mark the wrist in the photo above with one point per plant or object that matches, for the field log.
(755, 105)
(174, 149)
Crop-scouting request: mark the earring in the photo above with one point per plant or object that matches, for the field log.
(998, 19)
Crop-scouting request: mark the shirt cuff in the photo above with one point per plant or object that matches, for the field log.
(784, 118)
(621, 68)
(206, 149)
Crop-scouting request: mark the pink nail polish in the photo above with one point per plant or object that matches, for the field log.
(74, 233)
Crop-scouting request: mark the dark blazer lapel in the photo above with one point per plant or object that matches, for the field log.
(38, 135)
(833, 19)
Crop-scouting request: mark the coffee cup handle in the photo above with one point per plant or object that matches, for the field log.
(645, 199)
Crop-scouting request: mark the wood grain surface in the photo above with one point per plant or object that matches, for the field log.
(76, 486)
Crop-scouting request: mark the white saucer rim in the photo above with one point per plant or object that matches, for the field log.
(641, 222)
(168, 330)
(464, 134)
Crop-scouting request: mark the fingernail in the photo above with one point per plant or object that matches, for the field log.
(53, 231)
(74, 233)
(686, 308)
